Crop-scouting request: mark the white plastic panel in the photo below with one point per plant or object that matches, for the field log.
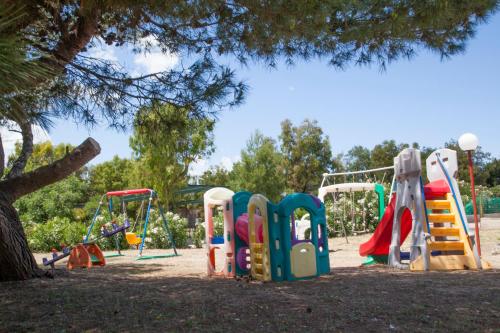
(449, 158)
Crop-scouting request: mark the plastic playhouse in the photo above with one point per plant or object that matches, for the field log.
(433, 214)
(260, 238)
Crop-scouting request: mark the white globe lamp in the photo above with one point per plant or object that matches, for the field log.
(468, 142)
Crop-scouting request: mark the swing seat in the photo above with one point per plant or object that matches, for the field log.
(132, 238)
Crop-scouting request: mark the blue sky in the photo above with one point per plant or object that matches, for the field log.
(424, 100)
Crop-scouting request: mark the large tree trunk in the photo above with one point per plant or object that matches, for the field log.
(16, 259)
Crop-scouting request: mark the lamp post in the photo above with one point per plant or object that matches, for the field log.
(468, 142)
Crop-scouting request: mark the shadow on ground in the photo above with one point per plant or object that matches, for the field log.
(123, 298)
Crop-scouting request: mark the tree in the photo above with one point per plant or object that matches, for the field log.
(56, 200)
(492, 171)
(383, 154)
(480, 159)
(166, 141)
(78, 86)
(110, 176)
(358, 158)
(258, 171)
(307, 155)
(216, 176)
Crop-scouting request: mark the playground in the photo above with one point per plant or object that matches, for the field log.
(174, 294)
(249, 166)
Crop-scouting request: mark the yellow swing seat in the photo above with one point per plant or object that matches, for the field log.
(132, 238)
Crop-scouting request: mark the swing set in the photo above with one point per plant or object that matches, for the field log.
(148, 199)
(343, 192)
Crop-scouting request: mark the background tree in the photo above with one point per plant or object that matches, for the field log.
(492, 171)
(383, 154)
(480, 158)
(358, 158)
(165, 142)
(62, 199)
(111, 175)
(307, 155)
(216, 176)
(77, 86)
(258, 171)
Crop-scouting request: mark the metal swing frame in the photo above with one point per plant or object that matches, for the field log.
(335, 189)
(134, 196)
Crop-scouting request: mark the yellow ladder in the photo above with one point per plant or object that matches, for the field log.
(258, 263)
(448, 236)
(259, 252)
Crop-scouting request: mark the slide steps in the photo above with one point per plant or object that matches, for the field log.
(448, 238)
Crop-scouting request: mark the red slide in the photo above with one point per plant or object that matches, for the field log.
(381, 240)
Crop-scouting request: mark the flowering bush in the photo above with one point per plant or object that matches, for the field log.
(43, 237)
(199, 235)
(199, 231)
(219, 224)
(364, 207)
(157, 235)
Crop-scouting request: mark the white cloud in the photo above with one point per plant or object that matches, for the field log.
(104, 52)
(154, 60)
(10, 138)
(228, 162)
(291, 88)
(198, 168)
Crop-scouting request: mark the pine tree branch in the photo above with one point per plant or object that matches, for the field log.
(2, 158)
(26, 150)
(70, 44)
(29, 182)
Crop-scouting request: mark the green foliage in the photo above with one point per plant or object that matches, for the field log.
(165, 142)
(111, 175)
(343, 32)
(18, 61)
(383, 154)
(492, 171)
(218, 224)
(216, 176)
(364, 206)
(58, 200)
(199, 235)
(43, 153)
(54, 234)
(178, 227)
(480, 158)
(307, 155)
(258, 171)
(358, 158)
(61, 199)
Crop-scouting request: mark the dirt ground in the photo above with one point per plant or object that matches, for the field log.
(174, 295)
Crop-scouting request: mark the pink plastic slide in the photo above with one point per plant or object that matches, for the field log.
(381, 240)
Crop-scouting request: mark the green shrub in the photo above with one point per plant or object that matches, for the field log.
(199, 235)
(179, 228)
(341, 211)
(218, 224)
(53, 234)
(157, 236)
